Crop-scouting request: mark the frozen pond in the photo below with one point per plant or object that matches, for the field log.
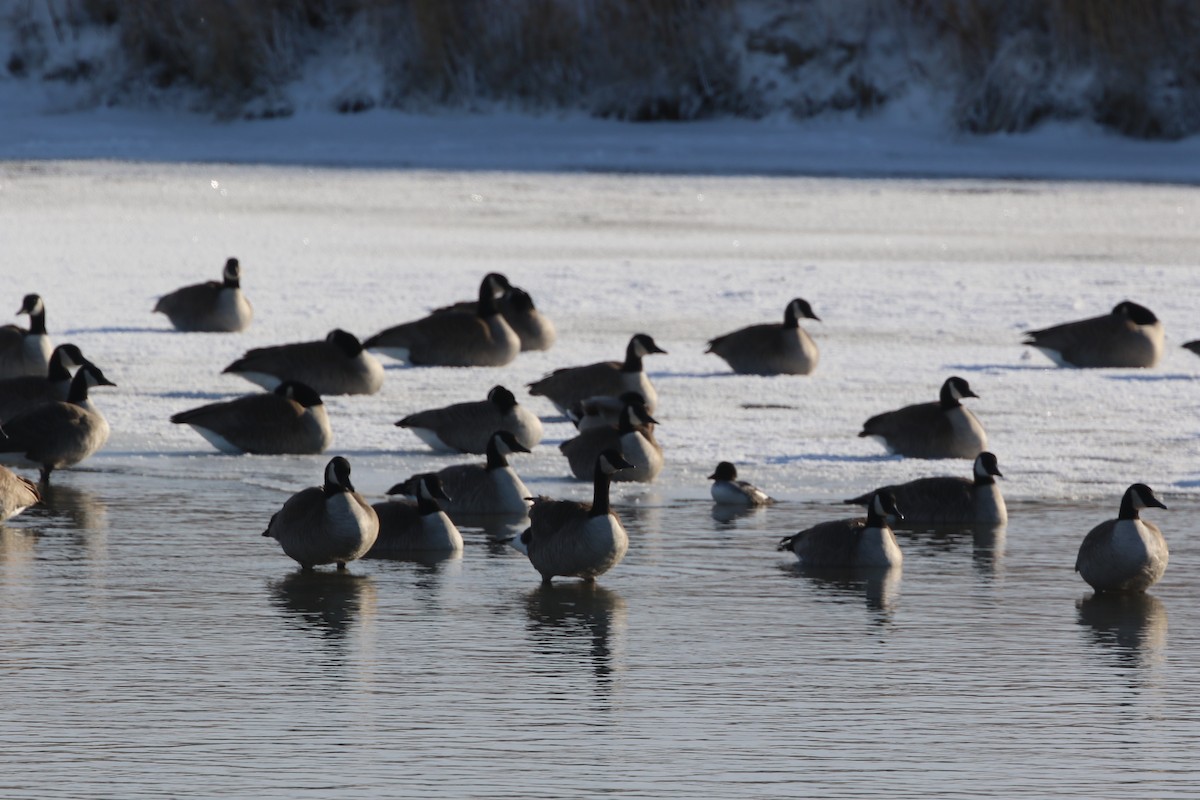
(157, 646)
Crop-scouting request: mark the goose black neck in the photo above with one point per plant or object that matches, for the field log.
(426, 505)
(1128, 509)
(790, 319)
(232, 282)
(633, 361)
(495, 459)
(947, 400)
(984, 480)
(78, 392)
(37, 322)
(333, 489)
(601, 483)
(57, 371)
(874, 518)
(487, 306)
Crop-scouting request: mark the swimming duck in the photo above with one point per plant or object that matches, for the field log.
(771, 349)
(944, 429)
(728, 490)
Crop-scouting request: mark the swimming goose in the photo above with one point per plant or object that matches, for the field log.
(16, 494)
(771, 349)
(58, 434)
(27, 391)
(336, 365)
(454, 338)
(950, 500)
(567, 386)
(728, 490)
(1129, 336)
(490, 488)
(420, 527)
(533, 328)
(468, 427)
(574, 539)
(634, 439)
(26, 352)
(329, 524)
(291, 419)
(855, 542)
(1126, 554)
(944, 429)
(210, 306)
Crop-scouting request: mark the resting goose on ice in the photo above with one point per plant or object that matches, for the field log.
(290, 419)
(26, 351)
(468, 427)
(533, 328)
(633, 438)
(945, 429)
(489, 488)
(570, 385)
(773, 348)
(338, 364)
(27, 391)
(1129, 336)
(213, 306)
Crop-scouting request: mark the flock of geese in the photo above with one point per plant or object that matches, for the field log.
(50, 423)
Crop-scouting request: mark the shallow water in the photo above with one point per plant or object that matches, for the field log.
(157, 646)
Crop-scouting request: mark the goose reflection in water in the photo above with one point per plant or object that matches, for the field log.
(77, 507)
(562, 614)
(497, 530)
(879, 586)
(328, 603)
(987, 543)
(1132, 626)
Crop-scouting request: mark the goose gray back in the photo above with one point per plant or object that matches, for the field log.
(467, 427)
(420, 527)
(602, 411)
(1127, 554)
(573, 539)
(773, 348)
(570, 385)
(328, 524)
(454, 338)
(947, 500)
(213, 306)
(338, 364)
(728, 490)
(58, 434)
(633, 439)
(24, 392)
(26, 351)
(851, 543)
(16, 494)
(489, 488)
(944, 429)
(1129, 336)
(291, 419)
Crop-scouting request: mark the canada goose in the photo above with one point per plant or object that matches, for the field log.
(567, 386)
(16, 494)
(771, 349)
(1129, 336)
(491, 488)
(291, 419)
(944, 429)
(57, 434)
(454, 338)
(950, 500)
(336, 365)
(634, 439)
(574, 539)
(26, 352)
(1126, 554)
(27, 391)
(330, 524)
(728, 490)
(419, 527)
(209, 306)
(855, 542)
(468, 427)
(602, 411)
(533, 328)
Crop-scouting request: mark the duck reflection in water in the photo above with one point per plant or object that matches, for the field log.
(725, 515)
(328, 603)
(562, 614)
(1132, 626)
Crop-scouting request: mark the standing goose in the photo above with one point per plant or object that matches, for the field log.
(26, 352)
(491, 488)
(728, 490)
(574, 539)
(58, 434)
(454, 338)
(209, 306)
(416, 528)
(1130, 336)
(570, 385)
(944, 429)
(291, 419)
(27, 391)
(634, 439)
(533, 328)
(16, 494)
(330, 524)
(1126, 554)
(855, 542)
(771, 349)
(950, 500)
(468, 427)
(336, 365)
